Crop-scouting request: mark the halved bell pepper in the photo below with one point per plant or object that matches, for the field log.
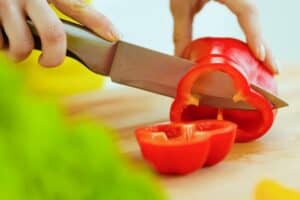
(234, 58)
(180, 148)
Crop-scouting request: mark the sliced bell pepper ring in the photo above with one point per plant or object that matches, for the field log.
(234, 58)
(180, 148)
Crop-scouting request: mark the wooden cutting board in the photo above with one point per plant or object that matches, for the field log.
(276, 155)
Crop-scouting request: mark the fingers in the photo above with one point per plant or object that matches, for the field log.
(51, 32)
(183, 14)
(183, 19)
(270, 61)
(14, 25)
(86, 15)
(248, 19)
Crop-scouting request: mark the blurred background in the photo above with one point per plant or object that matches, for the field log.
(77, 154)
(149, 23)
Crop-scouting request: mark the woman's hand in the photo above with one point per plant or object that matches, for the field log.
(13, 15)
(183, 12)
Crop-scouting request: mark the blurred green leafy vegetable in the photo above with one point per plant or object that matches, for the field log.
(43, 158)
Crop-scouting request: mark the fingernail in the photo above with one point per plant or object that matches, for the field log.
(275, 66)
(40, 61)
(113, 35)
(261, 52)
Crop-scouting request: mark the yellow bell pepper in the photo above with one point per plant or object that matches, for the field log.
(69, 78)
(271, 190)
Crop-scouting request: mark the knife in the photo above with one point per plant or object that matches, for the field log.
(142, 68)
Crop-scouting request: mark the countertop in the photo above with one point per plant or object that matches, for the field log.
(276, 155)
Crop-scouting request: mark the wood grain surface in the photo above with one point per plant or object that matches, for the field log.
(276, 155)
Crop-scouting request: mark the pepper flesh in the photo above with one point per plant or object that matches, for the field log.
(234, 58)
(188, 146)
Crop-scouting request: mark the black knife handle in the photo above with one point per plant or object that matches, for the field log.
(82, 45)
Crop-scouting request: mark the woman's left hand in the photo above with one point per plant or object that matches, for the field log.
(183, 12)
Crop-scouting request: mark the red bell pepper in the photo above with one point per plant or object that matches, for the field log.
(234, 58)
(180, 148)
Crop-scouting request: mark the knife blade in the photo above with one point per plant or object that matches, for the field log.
(160, 73)
(146, 69)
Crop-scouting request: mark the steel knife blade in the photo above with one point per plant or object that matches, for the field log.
(146, 69)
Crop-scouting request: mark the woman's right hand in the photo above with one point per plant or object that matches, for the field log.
(13, 15)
